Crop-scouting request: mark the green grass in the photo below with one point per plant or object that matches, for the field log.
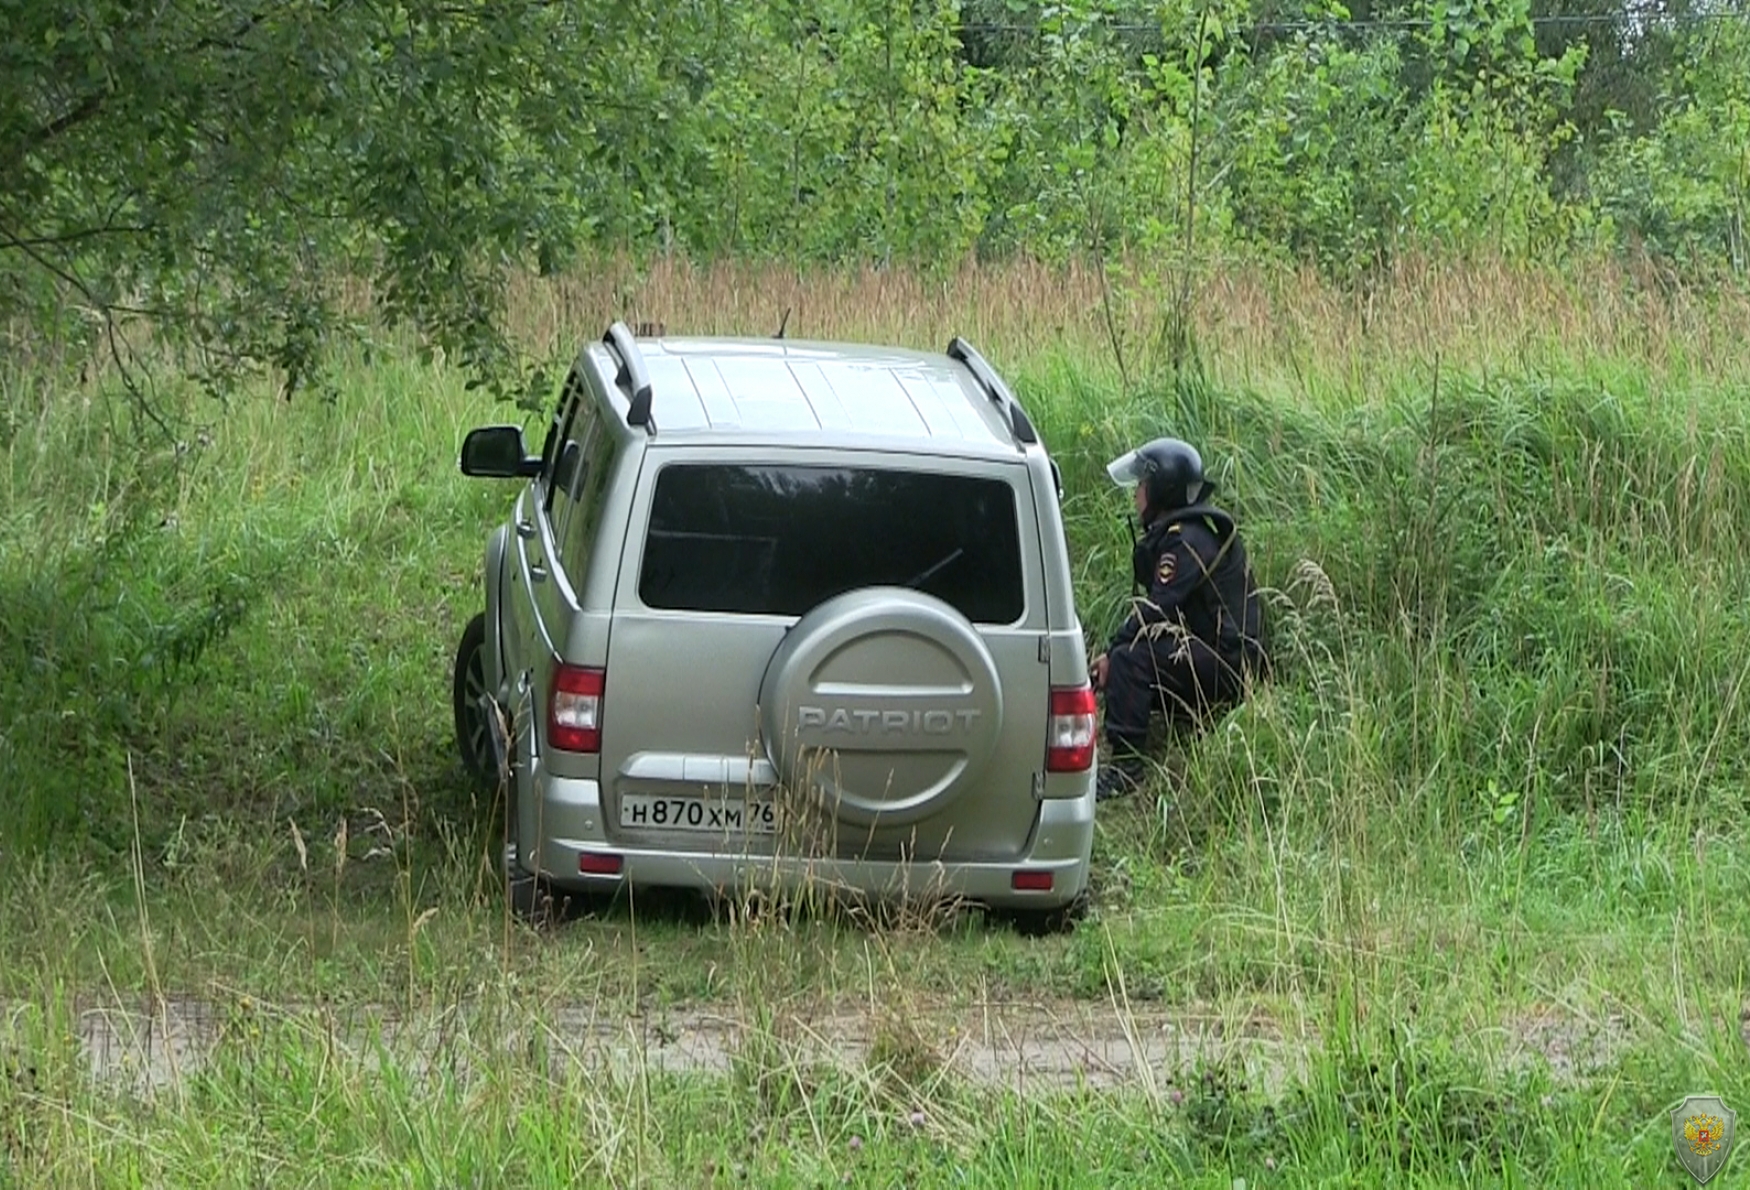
(498, 1089)
(1476, 858)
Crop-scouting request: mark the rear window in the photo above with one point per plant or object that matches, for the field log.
(778, 540)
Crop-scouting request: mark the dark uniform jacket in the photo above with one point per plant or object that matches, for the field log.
(1193, 568)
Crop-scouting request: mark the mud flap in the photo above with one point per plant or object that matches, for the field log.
(497, 738)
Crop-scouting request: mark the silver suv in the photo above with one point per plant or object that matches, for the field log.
(783, 613)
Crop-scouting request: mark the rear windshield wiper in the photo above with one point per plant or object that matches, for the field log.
(915, 579)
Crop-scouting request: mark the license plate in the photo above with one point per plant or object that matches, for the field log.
(649, 811)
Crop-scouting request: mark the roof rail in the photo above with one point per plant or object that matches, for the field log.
(632, 374)
(1019, 423)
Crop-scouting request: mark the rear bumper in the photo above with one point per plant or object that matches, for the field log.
(571, 820)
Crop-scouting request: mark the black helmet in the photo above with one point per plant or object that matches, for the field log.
(1172, 470)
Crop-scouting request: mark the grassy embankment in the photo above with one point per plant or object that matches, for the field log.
(1465, 889)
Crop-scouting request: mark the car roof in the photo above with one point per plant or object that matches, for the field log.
(809, 389)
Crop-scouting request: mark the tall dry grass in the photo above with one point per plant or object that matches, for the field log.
(1253, 322)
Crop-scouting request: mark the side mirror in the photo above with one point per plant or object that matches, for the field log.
(498, 452)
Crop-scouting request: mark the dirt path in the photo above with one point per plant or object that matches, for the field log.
(1020, 1044)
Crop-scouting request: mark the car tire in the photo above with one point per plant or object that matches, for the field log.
(468, 683)
(1043, 923)
(859, 633)
(532, 900)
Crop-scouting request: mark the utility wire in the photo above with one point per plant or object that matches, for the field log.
(1335, 24)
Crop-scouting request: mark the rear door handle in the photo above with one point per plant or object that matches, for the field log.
(525, 530)
(537, 572)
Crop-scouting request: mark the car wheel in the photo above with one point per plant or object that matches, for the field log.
(473, 737)
(842, 655)
(1042, 923)
(533, 901)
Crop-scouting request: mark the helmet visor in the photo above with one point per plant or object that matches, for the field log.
(1127, 469)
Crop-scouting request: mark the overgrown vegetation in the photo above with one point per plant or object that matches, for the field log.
(1459, 891)
(489, 1092)
(1452, 295)
(210, 173)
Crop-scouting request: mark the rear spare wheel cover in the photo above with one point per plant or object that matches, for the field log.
(883, 702)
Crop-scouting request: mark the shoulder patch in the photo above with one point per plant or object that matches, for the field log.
(1167, 567)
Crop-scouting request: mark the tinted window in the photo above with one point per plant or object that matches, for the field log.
(573, 399)
(586, 490)
(778, 540)
(569, 473)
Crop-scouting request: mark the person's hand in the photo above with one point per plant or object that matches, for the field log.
(1098, 671)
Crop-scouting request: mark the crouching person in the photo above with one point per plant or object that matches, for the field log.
(1194, 634)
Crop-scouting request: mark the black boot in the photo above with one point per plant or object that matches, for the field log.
(1120, 776)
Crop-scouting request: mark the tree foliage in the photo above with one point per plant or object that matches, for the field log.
(222, 170)
(215, 166)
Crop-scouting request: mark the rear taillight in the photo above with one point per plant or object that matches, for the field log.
(595, 863)
(1070, 737)
(574, 712)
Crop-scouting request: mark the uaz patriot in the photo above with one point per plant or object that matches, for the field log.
(768, 611)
